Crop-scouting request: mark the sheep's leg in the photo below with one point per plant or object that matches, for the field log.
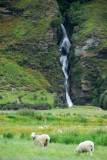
(91, 153)
(46, 143)
(41, 144)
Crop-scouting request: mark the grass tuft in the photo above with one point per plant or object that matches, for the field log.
(8, 135)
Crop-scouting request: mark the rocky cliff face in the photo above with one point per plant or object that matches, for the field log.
(89, 45)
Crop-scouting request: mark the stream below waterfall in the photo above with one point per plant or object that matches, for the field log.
(65, 49)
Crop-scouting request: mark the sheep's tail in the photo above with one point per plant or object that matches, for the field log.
(46, 142)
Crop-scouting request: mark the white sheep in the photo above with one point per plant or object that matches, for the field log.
(40, 140)
(45, 127)
(42, 127)
(59, 131)
(86, 146)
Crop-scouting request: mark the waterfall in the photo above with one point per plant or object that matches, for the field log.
(64, 62)
(64, 49)
(65, 43)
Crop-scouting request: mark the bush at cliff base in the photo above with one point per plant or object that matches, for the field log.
(103, 100)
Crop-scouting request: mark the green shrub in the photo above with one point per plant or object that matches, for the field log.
(35, 97)
(3, 106)
(4, 50)
(28, 137)
(8, 135)
(56, 22)
(67, 139)
(104, 116)
(95, 102)
(11, 116)
(62, 105)
(54, 138)
(1, 97)
(99, 137)
(26, 112)
(76, 119)
(39, 117)
(101, 140)
(52, 118)
(36, 106)
(31, 113)
(22, 136)
(22, 61)
(100, 131)
(103, 100)
(83, 119)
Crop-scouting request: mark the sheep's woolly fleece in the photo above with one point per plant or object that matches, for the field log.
(59, 131)
(40, 140)
(86, 146)
(45, 127)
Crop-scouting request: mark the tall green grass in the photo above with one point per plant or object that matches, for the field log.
(99, 137)
(22, 148)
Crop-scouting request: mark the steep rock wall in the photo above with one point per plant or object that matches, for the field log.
(88, 59)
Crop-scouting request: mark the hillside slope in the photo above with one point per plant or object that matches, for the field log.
(29, 56)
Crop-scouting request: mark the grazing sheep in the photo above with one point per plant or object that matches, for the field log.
(86, 146)
(40, 140)
(43, 127)
(59, 131)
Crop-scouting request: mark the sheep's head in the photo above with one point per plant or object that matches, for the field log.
(45, 126)
(77, 151)
(33, 135)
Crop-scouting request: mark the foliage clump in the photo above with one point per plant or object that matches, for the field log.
(9, 135)
(38, 106)
(99, 137)
(56, 22)
(103, 100)
(22, 136)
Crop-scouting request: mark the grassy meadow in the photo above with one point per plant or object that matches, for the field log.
(77, 124)
(24, 148)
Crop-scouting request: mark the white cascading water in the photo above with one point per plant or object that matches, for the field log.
(65, 48)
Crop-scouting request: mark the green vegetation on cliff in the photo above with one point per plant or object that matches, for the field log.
(17, 81)
(88, 21)
(29, 56)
